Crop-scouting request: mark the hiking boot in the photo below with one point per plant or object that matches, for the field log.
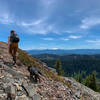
(14, 59)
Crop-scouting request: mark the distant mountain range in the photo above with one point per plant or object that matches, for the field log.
(64, 52)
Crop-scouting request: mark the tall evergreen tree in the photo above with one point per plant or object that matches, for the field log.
(87, 81)
(58, 67)
(78, 76)
(93, 84)
(91, 81)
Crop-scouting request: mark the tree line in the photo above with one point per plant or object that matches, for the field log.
(88, 80)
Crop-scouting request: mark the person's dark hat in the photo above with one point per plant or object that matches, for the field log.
(12, 31)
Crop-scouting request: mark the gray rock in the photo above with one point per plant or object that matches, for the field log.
(10, 89)
(7, 90)
(77, 94)
(11, 92)
(1, 91)
(1, 86)
(24, 84)
(3, 96)
(13, 72)
(36, 97)
(23, 97)
(29, 89)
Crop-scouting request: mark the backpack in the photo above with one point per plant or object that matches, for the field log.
(14, 38)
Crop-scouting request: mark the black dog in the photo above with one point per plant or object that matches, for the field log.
(34, 73)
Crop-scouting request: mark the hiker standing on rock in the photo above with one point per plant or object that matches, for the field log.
(13, 44)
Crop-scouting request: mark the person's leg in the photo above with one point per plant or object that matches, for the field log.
(15, 48)
(10, 50)
(15, 51)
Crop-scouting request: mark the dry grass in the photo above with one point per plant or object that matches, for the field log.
(27, 60)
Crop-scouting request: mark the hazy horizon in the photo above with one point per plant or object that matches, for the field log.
(62, 49)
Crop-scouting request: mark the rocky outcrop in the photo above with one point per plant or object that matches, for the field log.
(83, 90)
(16, 85)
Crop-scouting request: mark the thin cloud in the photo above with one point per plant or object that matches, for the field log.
(88, 23)
(36, 31)
(71, 37)
(37, 22)
(54, 48)
(74, 37)
(96, 42)
(93, 41)
(48, 39)
(40, 29)
(6, 19)
(68, 31)
(37, 26)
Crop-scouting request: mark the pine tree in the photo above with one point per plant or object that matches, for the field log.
(90, 81)
(93, 84)
(78, 76)
(87, 81)
(58, 67)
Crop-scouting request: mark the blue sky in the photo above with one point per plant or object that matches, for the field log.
(52, 24)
